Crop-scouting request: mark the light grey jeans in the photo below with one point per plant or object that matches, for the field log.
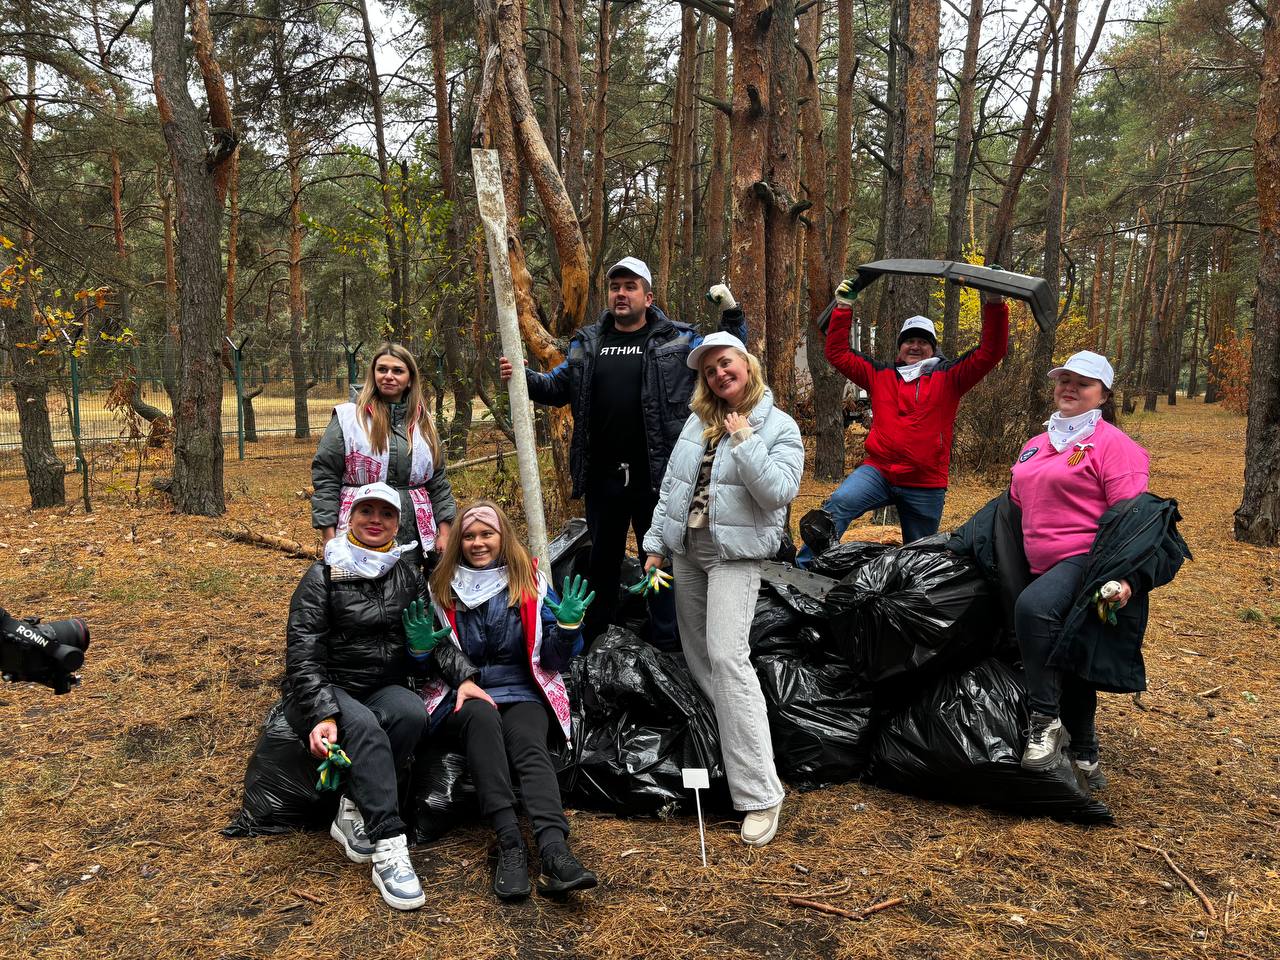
(714, 637)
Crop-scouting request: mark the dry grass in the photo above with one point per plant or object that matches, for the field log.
(113, 795)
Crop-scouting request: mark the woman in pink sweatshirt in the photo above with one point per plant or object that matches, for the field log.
(1064, 481)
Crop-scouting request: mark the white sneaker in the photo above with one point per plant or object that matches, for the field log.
(1046, 737)
(348, 829)
(393, 874)
(759, 826)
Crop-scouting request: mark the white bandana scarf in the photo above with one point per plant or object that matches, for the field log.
(341, 554)
(913, 370)
(1064, 431)
(473, 587)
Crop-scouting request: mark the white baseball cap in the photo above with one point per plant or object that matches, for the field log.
(1088, 364)
(632, 265)
(713, 341)
(377, 491)
(918, 326)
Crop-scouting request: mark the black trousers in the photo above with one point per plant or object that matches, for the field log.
(512, 737)
(379, 733)
(1037, 616)
(616, 503)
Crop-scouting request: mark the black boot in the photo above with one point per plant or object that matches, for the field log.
(511, 872)
(561, 871)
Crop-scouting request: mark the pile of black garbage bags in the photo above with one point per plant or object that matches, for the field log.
(881, 663)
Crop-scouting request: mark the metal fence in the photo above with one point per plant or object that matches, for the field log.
(85, 397)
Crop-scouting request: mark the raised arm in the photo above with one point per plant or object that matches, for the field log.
(840, 355)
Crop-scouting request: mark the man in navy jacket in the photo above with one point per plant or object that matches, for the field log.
(628, 386)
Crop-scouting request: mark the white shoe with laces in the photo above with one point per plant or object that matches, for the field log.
(348, 829)
(393, 874)
(1046, 738)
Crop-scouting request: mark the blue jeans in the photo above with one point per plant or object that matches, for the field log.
(919, 509)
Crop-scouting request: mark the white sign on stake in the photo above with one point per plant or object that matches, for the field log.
(696, 779)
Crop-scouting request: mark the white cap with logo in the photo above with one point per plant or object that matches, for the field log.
(632, 265)
(1088, 364)
(377, 491)
(918, 326)
(713, 341)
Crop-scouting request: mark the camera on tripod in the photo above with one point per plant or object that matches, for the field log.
(46, 653)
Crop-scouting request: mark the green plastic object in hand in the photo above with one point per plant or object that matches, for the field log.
(573, 603)
(845, 293)
(420, 630)
(651, 581)
(331, 767)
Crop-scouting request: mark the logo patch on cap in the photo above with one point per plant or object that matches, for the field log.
(1028, 454)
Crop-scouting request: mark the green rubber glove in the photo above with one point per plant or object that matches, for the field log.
(331, 767)
(573, 603)
(419, 629)
(845, 294)
(651, 581)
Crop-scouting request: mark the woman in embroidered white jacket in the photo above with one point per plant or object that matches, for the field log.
(387, 435)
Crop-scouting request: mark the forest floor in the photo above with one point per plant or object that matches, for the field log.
(112, 797)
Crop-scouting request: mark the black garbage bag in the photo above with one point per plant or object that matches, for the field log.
(280, 792)
(961, 741)
(569, 551)
(785, 622)
(643, 721)
(821, 722)
(818, 531)
(843, 558)
(912, 611)
(443, 795)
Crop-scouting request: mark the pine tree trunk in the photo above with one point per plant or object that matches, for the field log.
(780, 176)
(297, 302)
(846, 66)
(828, 384)
(198, 459)
(571, 60)
(713, 252)
(961, 171)
(1257, 520)
(599, 201)
(748, 128)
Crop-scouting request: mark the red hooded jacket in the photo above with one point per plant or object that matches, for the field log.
(912, 423)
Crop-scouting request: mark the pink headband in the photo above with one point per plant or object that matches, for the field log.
(480, 514)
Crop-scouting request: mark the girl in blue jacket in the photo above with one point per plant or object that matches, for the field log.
(500, 609)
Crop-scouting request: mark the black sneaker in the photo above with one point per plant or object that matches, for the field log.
(562, 873)
(511, 873)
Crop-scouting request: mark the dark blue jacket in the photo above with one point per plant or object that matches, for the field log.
(665, 394)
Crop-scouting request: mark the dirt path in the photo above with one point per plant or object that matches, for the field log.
(112, 796)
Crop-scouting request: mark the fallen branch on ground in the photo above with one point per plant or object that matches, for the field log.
(283, 544)
(1204, 901)
(840, 911)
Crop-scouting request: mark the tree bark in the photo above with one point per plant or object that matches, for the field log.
(908, 296)
(571, 63)
(198, 467)
(600, 118)
(713, 252)
(297, 296)
(961, 172)
(1257, 520)
(673, 173)
(748, 128)
(561, 217)
(842, 202)
(820, 267)
(781, 209)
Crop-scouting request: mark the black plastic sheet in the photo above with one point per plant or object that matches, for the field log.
(443, 795)
(569, 551)
(821, 723)
(961, 741)
(280, 792)
(643, 719)
(818, 531)
(912, 611)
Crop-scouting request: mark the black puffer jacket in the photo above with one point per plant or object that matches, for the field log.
(347, 633)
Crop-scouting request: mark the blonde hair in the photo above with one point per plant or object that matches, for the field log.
(712, 410)
(374, 413)
(512, 554)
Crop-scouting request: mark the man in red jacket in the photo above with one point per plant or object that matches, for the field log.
(913, 413)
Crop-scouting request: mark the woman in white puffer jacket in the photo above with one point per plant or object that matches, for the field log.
(734, 471)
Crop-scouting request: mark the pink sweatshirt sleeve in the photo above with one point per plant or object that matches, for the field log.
(1127, 470)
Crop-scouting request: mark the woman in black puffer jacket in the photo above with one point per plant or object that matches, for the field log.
(347, 666)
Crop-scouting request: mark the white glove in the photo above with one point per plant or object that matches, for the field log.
(721, 297)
